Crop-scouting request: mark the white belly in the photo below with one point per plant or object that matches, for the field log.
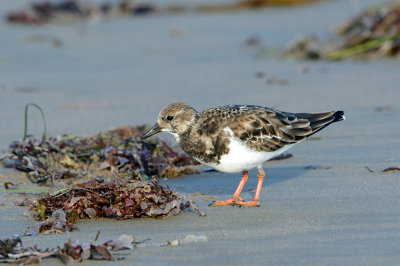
(241, 157)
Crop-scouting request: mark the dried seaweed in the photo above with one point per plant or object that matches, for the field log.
(71, 252)
(391, 169)
(121, 198)
(173, 172)
(119, 150)
(372, 34)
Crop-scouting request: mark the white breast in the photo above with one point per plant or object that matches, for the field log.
(241, 157)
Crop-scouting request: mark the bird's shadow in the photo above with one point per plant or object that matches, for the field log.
(217, 183)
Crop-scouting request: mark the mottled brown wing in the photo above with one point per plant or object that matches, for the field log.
(213, 120)
(269, 130)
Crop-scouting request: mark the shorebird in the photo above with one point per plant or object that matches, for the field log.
(237, 138)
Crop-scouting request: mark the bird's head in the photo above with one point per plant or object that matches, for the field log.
(175, 118)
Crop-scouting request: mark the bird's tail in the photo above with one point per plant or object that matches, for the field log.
(319, 121)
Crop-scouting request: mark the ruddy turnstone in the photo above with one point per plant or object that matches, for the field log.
(237, 138)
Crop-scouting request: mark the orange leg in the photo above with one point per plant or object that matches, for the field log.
(236, 195)
(255, 201)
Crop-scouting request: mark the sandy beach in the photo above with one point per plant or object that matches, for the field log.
(320, 207)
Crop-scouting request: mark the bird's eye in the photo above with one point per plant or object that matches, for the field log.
(170, 117)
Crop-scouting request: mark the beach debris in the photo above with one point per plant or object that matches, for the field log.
(78, 252)
(173, 172)
(250, 4)
(369, 169)
(73, 10)
(44, 136)
(189, 239)
(19, 89)
(260, 74)
(11, 185)
(120, 198)
(71, 252)
(372, 34)
(132, 8)
(41, 38)
(304, 47)
(391, 169)
(9, 253)
(8, 245)
(277, 81)
(313, 167)
(29, 255)
(253, 41)
(69, 10)
(122, 243)
(320, 167)
(384, 109)
(118, 150)
(55, 224)
(282, 156)
(40, 13)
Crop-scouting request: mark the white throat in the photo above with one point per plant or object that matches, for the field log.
(172, 133)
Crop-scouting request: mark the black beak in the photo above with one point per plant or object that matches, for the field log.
(154, 130)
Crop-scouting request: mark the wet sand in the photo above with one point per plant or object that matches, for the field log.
(108, 74)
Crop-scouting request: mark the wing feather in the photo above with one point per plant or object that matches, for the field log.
(265, 129)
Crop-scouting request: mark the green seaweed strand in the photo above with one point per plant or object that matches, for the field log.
(26, 120)
(370, 45)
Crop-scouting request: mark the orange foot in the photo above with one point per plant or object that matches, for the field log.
(245, 204)
(226, 202)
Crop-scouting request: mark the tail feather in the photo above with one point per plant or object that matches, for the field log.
(339, 116)
(319, 121)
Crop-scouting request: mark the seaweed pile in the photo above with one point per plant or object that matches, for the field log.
(115, 151)
(372, 34)
(119, 172)
(120, 198)
(12, 251)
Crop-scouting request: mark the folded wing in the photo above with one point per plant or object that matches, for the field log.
(269, 130)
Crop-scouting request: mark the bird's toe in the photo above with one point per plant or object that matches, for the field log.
(225, 202)
(245, 204)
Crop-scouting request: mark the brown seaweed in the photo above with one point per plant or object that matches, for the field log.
(120, 198)
(391, 169)
(71, 252)
(115, 151)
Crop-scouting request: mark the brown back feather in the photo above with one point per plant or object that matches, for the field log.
(265, 129)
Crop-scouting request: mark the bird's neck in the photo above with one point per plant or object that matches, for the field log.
(184, 135)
